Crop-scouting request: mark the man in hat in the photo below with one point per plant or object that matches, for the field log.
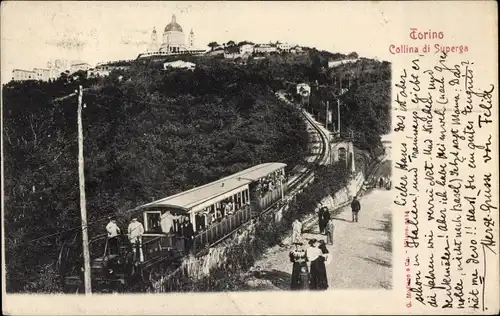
(320, 219)
(113, 231)
(188, 234)
(355, 207)
(326, 218)
(135, 232)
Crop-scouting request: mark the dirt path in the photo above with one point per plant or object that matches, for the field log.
(361, 252)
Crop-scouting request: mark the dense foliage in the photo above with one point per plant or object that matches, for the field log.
(150, 133)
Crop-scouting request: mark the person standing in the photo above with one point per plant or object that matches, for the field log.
(313, 254)
(167, 222)
(322, 280)
(188, 234)
(329, 231)
(113, 232)
(326, 218)
(300, 273)
(389, 184)
(296, 230)
(135, 232)
(320, 220)
(355, 207)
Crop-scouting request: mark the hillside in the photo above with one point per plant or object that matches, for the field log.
(149, 133)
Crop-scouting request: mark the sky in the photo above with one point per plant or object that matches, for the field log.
(33, 33)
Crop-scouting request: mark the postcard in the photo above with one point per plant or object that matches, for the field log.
(249, 158)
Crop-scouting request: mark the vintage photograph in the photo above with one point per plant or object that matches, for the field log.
(163, 147)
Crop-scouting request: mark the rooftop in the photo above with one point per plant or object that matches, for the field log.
(189, 199)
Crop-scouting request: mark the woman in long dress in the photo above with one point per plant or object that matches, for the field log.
(322, 280)
(300, 273)
(313, 256)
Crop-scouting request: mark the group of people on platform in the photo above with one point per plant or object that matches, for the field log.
(178, 225)
(135, 231)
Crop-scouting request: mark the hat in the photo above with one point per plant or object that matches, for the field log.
(312, 242)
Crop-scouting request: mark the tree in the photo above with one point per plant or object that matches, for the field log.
(244, 43)
(213, 45)
(353, 55)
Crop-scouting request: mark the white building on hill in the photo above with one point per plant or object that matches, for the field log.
(179, 64)
(79, 66)
(284, 47)
(22, 75)
(336, 63)
(265, 48)
(173, 42)
(246, 49)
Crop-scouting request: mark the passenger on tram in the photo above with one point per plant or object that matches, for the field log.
(209, 218)
(200, 221)
(113, 232)
(167, 222)
(135, 232)
(188, 234)
(228, 209)
(218, 215)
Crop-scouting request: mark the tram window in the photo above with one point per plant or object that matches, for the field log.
(153, 222)
(238, 199)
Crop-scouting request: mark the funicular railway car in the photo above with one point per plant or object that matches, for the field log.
(216, 209)
(212, 211)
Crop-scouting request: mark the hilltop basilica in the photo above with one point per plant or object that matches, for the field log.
(173, 41)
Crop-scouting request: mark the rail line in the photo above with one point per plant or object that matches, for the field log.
(296, 185)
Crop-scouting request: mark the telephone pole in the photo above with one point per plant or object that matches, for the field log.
(338, 107)
(338, 115)
(83, 209)
(326, 115)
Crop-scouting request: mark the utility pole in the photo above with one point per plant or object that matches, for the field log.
(326, 115)
(327, 118)
(83, 208)
(338, 115)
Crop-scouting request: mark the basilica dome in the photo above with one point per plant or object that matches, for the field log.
(173, 26)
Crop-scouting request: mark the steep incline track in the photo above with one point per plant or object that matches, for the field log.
(305, 175)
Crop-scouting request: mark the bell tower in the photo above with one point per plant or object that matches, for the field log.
(153, 46)
(191, 39)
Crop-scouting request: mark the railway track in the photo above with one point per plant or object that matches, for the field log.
(297, 184)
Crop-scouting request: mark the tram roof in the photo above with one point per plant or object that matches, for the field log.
(190, 198)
